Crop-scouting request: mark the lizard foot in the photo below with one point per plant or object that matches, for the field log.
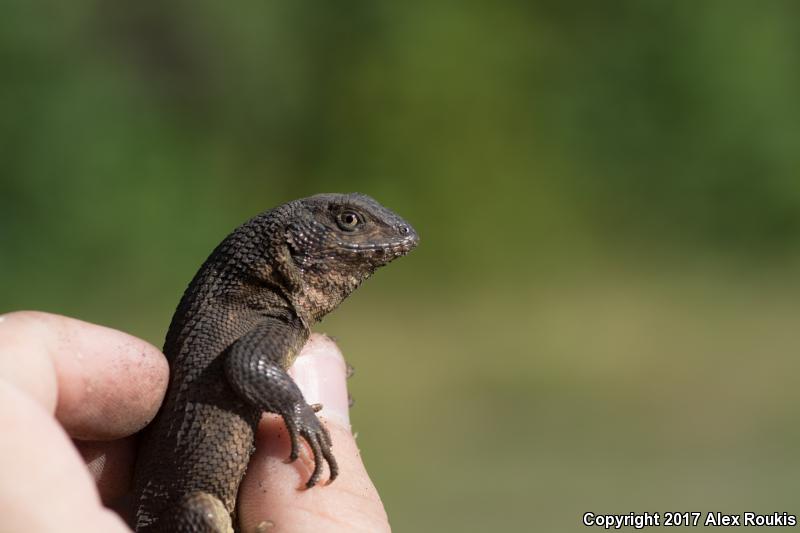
(303, 422)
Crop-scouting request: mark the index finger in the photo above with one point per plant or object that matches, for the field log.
(100, 383)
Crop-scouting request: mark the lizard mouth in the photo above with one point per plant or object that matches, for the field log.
(397, 248)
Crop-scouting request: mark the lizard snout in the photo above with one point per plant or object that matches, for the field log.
(407, 233)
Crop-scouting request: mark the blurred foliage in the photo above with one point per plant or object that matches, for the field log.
(602, 313)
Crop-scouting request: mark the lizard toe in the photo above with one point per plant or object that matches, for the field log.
(314, 442)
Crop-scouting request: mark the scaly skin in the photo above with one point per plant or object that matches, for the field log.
(238, 327)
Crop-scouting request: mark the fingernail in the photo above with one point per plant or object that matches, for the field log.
(320, 371)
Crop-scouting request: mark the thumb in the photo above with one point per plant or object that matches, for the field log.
(272, 497)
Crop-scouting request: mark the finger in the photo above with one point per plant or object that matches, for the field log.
(269, 494)
(110, 464)
(100, 383)
(44, 484)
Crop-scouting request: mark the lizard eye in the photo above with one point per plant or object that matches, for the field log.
(348, 220)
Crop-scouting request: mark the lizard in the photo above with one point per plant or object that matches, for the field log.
(238, 327)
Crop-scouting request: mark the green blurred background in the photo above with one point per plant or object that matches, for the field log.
(603, 312)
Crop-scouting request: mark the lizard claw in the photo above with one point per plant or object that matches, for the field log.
(293, 437)
(304, 422)
(320, 441)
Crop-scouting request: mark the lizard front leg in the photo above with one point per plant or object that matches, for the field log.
(256, 369)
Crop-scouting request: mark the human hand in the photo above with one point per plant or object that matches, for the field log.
(73, 393)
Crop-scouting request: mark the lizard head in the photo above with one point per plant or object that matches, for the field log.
(340, 239)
